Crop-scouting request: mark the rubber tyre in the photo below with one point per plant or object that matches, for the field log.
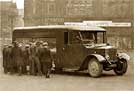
(95, 68)
(121, 68)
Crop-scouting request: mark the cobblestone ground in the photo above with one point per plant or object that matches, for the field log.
(69, 82)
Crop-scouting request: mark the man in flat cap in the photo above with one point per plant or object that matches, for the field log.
(17, 57)
(46, 61)
(4, 53)
(34, 60)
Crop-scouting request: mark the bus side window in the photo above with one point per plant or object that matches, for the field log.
(65, 37)
(75, 38)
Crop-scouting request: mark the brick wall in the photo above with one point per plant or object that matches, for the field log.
(8, 14)
(45, 12)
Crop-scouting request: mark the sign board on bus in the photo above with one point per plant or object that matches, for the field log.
(107, 23)
(97, 23)
(74, 23)
(122, 24)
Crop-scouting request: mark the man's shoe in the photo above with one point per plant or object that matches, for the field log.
(48, 76)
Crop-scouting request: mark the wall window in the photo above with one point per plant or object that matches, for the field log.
(65, 37)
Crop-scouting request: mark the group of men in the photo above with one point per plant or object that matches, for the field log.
(32, 58)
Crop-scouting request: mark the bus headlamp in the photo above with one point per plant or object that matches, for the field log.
(107, 56)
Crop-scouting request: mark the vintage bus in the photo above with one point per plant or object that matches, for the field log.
(77, 48)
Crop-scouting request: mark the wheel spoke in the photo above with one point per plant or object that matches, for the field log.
(95, 68)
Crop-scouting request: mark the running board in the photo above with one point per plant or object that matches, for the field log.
(70, 70)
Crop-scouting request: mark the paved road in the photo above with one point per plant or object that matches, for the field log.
(69, 82)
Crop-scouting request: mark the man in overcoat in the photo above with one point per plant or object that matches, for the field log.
(10, 62)
(46, 61)
(4, 53)
(17, 57)
(35, 67)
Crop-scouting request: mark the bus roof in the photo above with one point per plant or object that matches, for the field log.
(68, 27)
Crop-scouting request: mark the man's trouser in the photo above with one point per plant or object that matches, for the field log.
(47, 68)
(35, 65)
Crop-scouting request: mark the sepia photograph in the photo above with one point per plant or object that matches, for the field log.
(66, 45)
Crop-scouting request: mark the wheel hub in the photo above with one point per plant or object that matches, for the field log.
(94, 67)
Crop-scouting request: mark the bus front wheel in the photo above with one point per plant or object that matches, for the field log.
(95, 68)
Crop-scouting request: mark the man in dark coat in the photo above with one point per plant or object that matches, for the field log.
(10, 62)
(34, 60)
(17, 57)
(26, 54)
(4, 53)
(46, 61)
(25, 57)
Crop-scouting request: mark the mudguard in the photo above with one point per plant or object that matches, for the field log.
(85, 62)
(123, 56)
(99, 57)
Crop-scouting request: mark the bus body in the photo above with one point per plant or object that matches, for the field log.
(77, 48)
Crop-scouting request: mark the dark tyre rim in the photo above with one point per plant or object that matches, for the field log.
(121, 67)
